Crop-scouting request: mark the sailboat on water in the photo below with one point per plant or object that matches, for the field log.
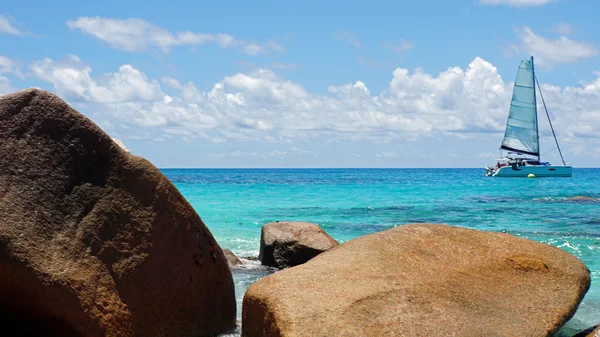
(521, 139)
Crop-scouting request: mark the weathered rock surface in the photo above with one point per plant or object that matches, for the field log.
(121, 144)
(421, 280)
(288, 244)
(95, 241)
(232, 259)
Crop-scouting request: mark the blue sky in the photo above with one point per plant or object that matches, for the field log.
(311, 84)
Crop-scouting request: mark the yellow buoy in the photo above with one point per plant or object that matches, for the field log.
(531, 175)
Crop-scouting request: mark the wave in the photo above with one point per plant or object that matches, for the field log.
(583, 199)
(457, 209)
(591, 198)
(316, 211)
(554, 234)
(491, 199)
(252, 265)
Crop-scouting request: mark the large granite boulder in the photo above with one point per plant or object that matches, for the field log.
(95, 241)
(421, 280)
(288, 244)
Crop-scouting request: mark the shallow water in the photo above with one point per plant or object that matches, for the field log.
(349, 203)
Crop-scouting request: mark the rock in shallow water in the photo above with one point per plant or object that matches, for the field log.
(582, 198)
(233, 260)
(288, 244)
(421, 280)
(591, 332)
(95, 241)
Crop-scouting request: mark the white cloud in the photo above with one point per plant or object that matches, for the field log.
(8, 66)
(488, 155)
(261, 106)
(72, 78)
(585, 151)
(271, 154)
(348, 37)
(576, 109)
(399, 47)
(386, 155)
(5, 86)
(121, 144)
(265, 86)
(550, 52)
(232, 154)
(216, 155)
(138, 35)
(300, 151)
(6, 26)
(275, 154)
(171, 82)
(252, 48)
(562, 28)
(516, 3)
(163, 113)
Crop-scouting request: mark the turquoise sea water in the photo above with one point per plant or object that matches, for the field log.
(348, 203)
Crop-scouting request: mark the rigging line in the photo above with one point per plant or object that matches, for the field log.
(545, 153)
(549, 121)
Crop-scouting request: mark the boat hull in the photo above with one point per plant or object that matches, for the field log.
(538, 171)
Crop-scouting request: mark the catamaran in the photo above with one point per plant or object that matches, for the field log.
(521, 139)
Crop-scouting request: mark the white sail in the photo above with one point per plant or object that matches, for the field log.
(522, 127)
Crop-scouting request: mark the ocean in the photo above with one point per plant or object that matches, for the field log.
(349, 203)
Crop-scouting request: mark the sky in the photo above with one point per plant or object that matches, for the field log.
(311, 83)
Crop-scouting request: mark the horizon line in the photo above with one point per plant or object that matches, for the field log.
(336, 168)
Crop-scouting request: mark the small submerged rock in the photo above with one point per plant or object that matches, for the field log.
(590, 332)
(583, 198)
(421, 280)
(288, 244)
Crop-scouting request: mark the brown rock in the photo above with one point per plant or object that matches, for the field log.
(287, 244)
(95, 241)
(583, 198)
(121, 145)
(421, 280)
(232, 259)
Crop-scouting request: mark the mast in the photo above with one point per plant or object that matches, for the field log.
(537, 125)
(549, 121)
